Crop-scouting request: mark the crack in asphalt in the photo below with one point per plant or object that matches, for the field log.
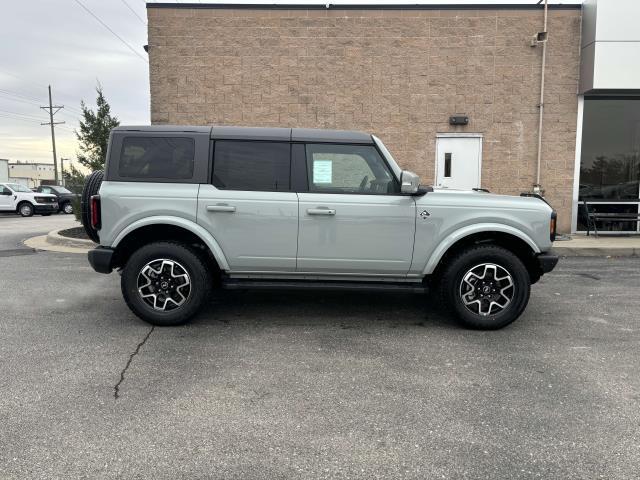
(116, 388)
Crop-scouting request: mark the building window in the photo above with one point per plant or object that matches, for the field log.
(610, 161)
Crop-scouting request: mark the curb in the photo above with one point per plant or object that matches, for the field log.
(596, 251)
(54, 238)
(54, 242)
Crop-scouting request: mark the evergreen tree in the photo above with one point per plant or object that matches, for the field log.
(93, 135)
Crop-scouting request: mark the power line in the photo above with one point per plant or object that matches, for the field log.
(2, 115)
(134, 12)
(16, 99)
(26, 115)
(108, 28)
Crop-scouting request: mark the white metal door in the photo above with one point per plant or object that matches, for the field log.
(458, 162)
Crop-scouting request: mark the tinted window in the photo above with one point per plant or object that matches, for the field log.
(157, 157)
(348, 169)
(45, 190)
(261, 166)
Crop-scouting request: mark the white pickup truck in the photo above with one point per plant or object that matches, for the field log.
(18, 198)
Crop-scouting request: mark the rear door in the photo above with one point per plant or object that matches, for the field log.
(353, 219)
(248, 206)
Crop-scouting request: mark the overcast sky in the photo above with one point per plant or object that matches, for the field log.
(58, 42)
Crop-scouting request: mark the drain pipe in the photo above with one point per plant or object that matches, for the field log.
(537, 188)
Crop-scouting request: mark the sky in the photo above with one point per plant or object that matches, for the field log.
(60, 43)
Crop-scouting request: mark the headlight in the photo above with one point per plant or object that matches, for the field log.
(40, 199)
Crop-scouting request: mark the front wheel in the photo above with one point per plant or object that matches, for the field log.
(25, 209)
(486, 287)
(67, 208)
(165, 283)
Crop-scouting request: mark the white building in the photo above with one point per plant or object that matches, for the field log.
(30, 174)
(4, 170)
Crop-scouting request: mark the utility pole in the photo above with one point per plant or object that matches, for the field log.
(53, 133)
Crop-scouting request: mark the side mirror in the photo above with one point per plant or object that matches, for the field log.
(409, 182)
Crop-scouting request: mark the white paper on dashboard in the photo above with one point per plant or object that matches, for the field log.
(322, 170)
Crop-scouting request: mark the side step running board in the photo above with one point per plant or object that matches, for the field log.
(239, 284)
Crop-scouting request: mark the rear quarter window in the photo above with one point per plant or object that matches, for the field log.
(157, 157)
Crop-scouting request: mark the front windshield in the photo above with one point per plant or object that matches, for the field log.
(62, 190)
(16, 187)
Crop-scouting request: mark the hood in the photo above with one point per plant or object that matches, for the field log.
(472, 198)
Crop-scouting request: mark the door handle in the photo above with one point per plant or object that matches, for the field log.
(321, 211)
(221, 208)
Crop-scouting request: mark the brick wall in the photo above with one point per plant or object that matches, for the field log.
(397, 73)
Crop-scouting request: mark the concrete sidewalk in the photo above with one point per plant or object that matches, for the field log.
(602, 246)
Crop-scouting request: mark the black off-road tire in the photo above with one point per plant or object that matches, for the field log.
(192, 260)
(24, 211)
(91, 187)
(451, 279)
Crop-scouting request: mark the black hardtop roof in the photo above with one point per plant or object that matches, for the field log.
(260, 133)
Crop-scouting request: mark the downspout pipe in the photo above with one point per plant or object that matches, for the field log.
(537, 188)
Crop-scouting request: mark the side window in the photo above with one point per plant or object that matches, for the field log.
(4, 190)
(45, 190)
(249, 165)
(348, 169)
(157, 157)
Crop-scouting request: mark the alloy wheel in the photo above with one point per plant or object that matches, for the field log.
(164, 284)
(487, 289)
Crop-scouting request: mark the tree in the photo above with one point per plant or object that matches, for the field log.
(93, 134)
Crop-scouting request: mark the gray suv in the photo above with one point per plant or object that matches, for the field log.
(180, 210)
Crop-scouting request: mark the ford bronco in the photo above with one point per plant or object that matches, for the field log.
(180, 210)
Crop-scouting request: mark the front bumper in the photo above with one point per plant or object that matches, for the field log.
(101, 259)
(547, 262)
(45, 208)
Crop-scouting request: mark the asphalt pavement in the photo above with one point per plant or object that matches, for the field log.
(313, 384)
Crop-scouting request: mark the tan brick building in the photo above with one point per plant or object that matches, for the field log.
(399, 73)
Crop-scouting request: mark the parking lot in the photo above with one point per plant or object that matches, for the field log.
(313, 384)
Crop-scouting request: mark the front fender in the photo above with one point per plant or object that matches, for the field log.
(194, 228)
(461, 233)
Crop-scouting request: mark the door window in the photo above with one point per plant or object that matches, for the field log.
(252, 166)
(45, 190)
(348, 169)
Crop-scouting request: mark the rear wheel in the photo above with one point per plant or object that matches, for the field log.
(165, 283)
(91, 188)
(487, 287)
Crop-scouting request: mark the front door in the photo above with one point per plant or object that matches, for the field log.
(250, 209)
(6, 198)
(458, 162)
(353, 219)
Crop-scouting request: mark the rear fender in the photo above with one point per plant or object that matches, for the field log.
(194, 228)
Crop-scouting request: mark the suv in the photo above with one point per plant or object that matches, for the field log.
(183, 209)
(20, 199)
(65, 197)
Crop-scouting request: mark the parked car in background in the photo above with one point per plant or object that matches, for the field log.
(20, 199)
(65, 197)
